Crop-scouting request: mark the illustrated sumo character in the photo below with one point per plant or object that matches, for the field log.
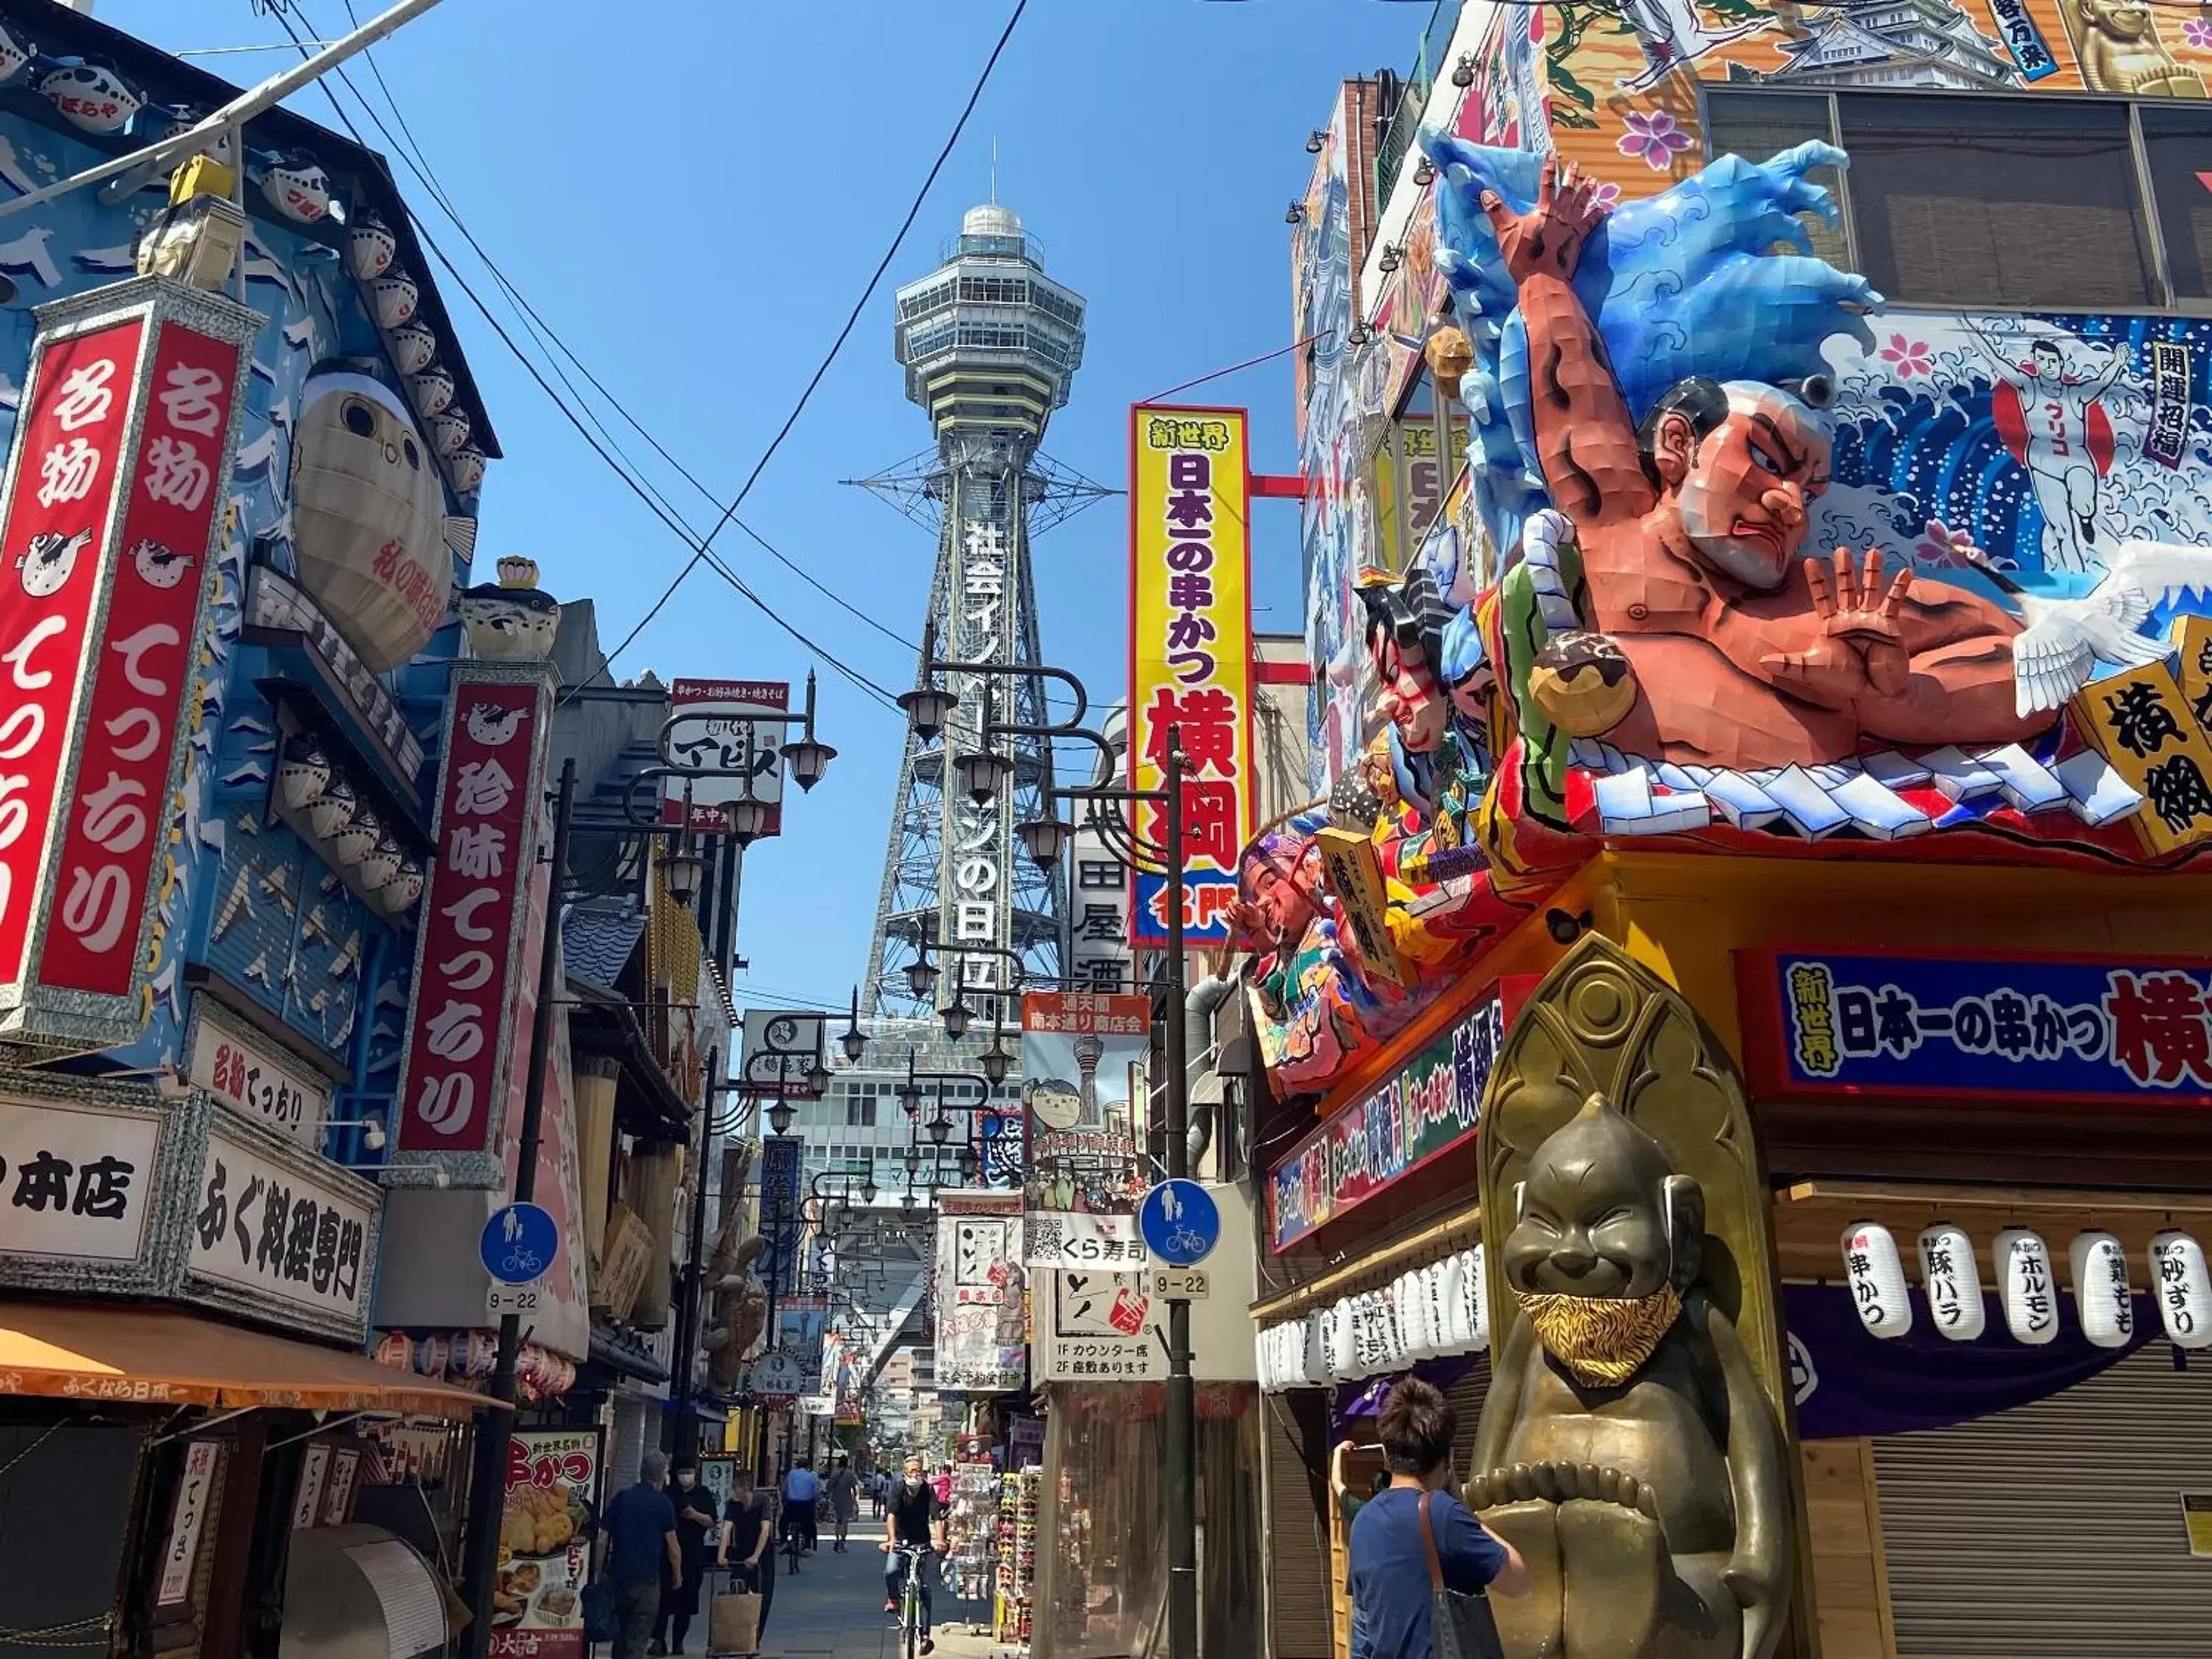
(1626, 1448)
(1690, 527)
(2117, 42)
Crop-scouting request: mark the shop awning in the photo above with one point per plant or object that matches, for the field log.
(158, 1356)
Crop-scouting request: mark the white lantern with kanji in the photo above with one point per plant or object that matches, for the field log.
(1875, 1274)
(1475, 1298)
(1341, 1348)
(2102, 1298)
(1952, 1281)
(2027, 1287)
(2178, 1280)
(1413, 1316)
(1433, 1309)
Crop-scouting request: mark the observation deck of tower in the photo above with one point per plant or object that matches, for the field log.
(990, 344)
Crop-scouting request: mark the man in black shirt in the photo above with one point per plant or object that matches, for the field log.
(915, 1525)
(745, 1546)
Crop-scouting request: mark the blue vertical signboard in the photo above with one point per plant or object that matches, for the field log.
(780, 1210)
(2132, 1030)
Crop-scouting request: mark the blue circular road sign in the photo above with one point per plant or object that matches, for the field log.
(1180, 1223)
(519, 1243)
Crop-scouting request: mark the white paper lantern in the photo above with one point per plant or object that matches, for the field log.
(1953, 1282)
(2104, 1301)
(1433, 1308)
(2026, 1286)
(1314, 1368)
(1474, 1297)
(1875, 1274)
(1413, 1316)
(1341, 1348)
(1263, 1347)
(2178, 1280)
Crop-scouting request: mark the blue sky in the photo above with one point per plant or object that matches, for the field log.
(695, 209)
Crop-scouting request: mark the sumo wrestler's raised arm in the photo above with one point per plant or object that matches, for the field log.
(1585, 438)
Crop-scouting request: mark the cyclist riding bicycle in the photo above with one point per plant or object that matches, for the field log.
(914, 1527)
(802, 1489)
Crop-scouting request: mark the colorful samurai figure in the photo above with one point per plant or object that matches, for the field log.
(1314, 1010)
(1429, 659)
(1691, 526)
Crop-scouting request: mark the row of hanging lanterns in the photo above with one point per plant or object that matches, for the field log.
(1426, 1314)
(2026, 1285)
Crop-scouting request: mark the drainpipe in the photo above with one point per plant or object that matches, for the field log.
(1197, 1010)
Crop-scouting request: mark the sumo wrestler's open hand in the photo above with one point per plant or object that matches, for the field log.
(1861, 645)
(1548, 241)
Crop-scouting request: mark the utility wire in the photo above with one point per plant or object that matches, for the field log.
(652, 498)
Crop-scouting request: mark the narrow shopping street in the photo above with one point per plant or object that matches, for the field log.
(834, 1609)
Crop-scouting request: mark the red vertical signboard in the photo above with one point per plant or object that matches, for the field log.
(121, 460)
(470, 963)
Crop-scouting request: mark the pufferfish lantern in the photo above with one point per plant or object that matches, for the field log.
(296, 185)
(512, 619)
(369, 512)
(91, 95)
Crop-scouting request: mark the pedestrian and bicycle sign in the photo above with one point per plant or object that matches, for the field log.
(519, 1243)
(1180, 1223)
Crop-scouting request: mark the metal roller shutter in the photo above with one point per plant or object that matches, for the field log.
(1295, 1551)
(2055, 1530)
(1466, 1397)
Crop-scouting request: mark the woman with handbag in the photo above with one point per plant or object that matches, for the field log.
(1420, 1561)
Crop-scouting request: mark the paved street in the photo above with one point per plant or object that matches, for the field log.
(834, 1609)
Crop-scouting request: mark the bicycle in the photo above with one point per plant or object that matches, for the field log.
(794, 1540)
(911, 1642)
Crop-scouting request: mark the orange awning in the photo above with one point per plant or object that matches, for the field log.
(160, 1356)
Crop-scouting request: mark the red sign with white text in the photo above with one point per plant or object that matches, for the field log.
(52, 547)
(466, 970)
(113, 825)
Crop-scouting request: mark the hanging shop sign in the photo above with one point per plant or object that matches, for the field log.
(464, 1046)
(307, 1500)
(779, 1050)
(1907, 1026)
(725, 724)
(982, 1326)
(80, 1182)
(1082, 1094)
(782, 1189)
(244, 1070)
(282, 1234)
(552, 1495)
(1100, 958)
(1190, 655)
(1429, 1106)
(198, 1493)
(120, 464)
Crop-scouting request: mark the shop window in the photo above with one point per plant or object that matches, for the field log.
(1759, 127)
(2178, 155)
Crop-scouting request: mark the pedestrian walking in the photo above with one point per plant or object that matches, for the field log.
(878, 1486)
(642, 1553)
(1414, 1523)
(695, 1520)
(942, 1485)
(842, 1489)
(748, 1545)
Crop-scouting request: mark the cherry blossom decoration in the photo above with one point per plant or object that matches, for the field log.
(1652, 135)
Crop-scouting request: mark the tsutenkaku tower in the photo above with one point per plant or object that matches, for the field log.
(989, 343)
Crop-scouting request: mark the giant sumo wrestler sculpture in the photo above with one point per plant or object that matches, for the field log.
(1690, 527)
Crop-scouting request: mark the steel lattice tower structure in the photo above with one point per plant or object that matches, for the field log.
(990, 344)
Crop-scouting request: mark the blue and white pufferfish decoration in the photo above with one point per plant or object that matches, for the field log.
(90, 94)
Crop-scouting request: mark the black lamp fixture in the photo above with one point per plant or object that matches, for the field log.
(1314, 140)
(682, 873)
(868, 1190)
(996, 1060)
(779, 1116)
(1360, 336)
(909, 1093)
(1424, 172)
(1293, 215)
(748, 820)
(939, 1126)
(983, 773)
(853, 1039)
(970, 1161)
(956, 1020)
(927, 708)
(817, 1077)
(1390, 260)
(1462, 76)
(920, 975)
(1044, 840)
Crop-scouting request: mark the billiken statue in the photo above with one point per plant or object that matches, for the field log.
(1627, 1448)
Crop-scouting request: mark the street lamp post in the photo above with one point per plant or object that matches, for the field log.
(929, 707)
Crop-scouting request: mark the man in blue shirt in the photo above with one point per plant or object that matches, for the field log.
(1392, 1600)
(801, 1487)
(642, 1553)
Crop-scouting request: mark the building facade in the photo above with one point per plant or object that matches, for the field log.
(1590, 843)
